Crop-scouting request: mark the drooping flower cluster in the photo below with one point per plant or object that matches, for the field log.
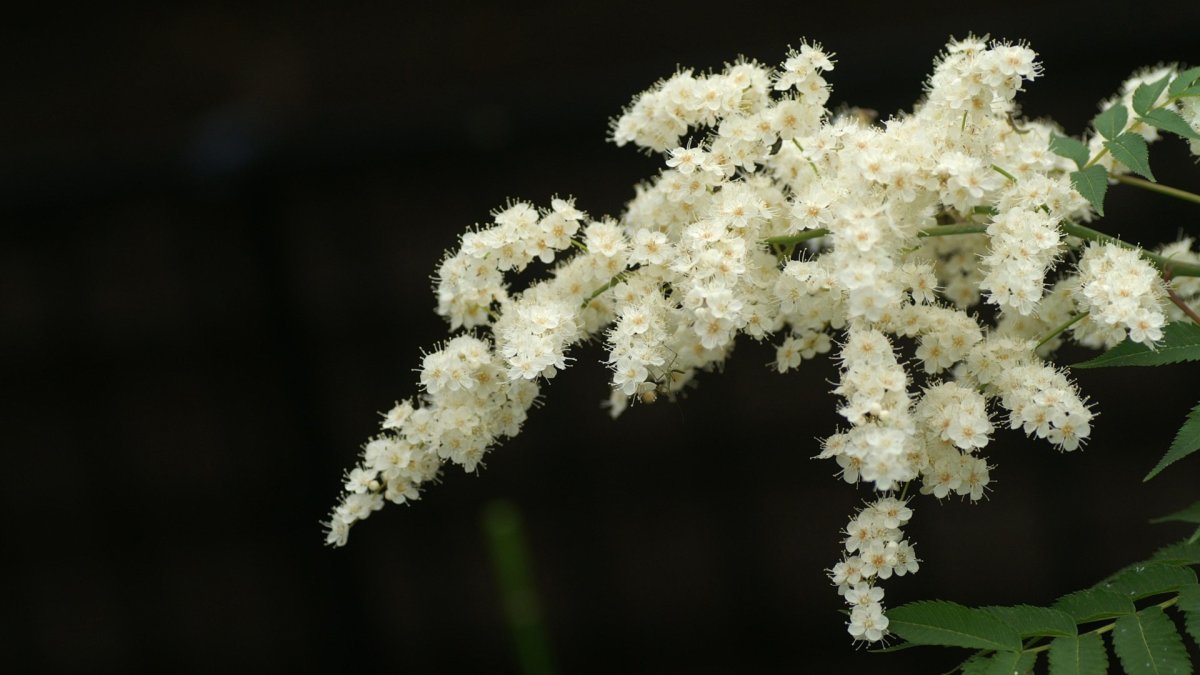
(775, 218)
(875, 550)
(880, 445)
(469, 405)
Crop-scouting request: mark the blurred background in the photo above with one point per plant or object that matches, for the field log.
(218, 228)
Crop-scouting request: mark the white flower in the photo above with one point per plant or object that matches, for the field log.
(867, 622)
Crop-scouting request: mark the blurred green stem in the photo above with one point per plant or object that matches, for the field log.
(510, 559)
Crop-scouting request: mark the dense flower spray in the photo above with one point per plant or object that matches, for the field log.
(775, 218)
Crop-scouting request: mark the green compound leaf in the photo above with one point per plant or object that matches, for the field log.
(1083, 655)
(1130, 149)
(1009, 663)
(936, 622)
(1092, 183)
(1183, 81)
(1181, 342)
(1070, 148)
(1030, 621)
(1111, 122)
(1189, 602)
(1187, 441)
(1145, 96)
(1190, 514)
(1169, 120)
(1148, 644)
(1146, 579)
(1095, 604)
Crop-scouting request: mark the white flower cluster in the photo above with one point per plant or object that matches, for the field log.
(470, 281)
(1122, 291)
(468, 406)
(879, 447)
(1024, 245)
(738, 98)
(1044, 403)
(979, 81)
(774, 217)
(874, 550)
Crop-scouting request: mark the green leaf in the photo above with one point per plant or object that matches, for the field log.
(1183, 553)
(1130, 149)
(1183, 81)
(1169, 120)
(1092, 183)
(1008, 663)
(1148, 644)
(1111, 122)
(1181, 342)
(1083, 655)
(1094, 604)
(1187, 441)
(1070, 148)
(1189, 603)
(976, 665)
(1190, 91)
(1189, 515)
(936, 622)
(1146, 95)
(1146, 579)
(1030, 621)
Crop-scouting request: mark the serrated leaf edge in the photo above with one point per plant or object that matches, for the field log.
(1102, 360)
(1131, 150)
(1181, 447)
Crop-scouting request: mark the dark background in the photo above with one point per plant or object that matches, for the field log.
(219, 226)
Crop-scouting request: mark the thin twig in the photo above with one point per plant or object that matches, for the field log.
(1157, 187)
(1179, 302)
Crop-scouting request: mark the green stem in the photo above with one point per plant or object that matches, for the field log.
(617, 278)
(1004, 173)
(1065, 325)
(952, 229)
(1158, 187)
(793, 239)
(810, 162)
(935, 231)
(1096, 158)
(1174, 267)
